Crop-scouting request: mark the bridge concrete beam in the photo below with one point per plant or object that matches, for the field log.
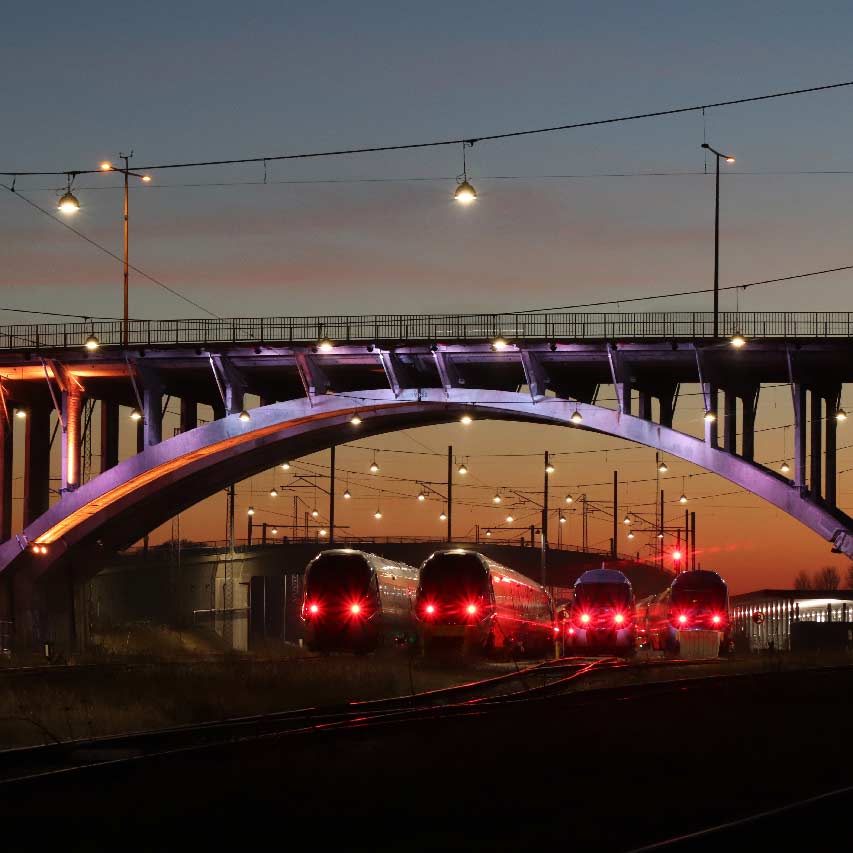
(145, 490)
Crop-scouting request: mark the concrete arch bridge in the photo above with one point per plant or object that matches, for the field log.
(313, 374)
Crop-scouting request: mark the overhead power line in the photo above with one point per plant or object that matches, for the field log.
(106, 251)
(470, 140)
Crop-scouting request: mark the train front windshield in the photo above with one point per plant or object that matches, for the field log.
(589, 595)
(454, 577)
(338, 576)
(699, 598)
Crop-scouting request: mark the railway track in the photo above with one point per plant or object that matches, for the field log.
(537, 681)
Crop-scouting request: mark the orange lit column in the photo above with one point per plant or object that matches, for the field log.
(72, 404)
(5, 475)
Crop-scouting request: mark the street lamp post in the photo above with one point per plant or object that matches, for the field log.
(108, 167)
(718, 155)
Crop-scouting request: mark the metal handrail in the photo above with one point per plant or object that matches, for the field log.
(431, 328)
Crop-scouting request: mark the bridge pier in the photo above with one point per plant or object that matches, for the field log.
(798, 392)
(152, 403)
(749, 401)
(816, 414)
(189, 414)
(831, 402)
(729, 421)
(712, 428)
(72, 407)
(109, 435)
(6, 447)
(37, 461)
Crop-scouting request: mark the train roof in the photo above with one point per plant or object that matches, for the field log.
(490, 565)
(376, 561)
(697, 579)
(603, 576)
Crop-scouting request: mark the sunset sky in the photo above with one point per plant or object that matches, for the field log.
(562, 219)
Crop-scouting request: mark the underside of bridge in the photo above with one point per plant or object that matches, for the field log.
(391, 388)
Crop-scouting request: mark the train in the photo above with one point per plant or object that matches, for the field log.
(602, 617)
(466, 600)
(696, 600)
(355, 601)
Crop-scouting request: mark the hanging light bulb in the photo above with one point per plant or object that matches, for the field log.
(274, 531)
(378, 514)
(92, 342)
(463, 469)
(374, 468)
(488, 533)
(466, 419)
(322, 531)
(569, 499)
(841, 416)
(784, 467)
(630, 534)
(549, 468)
(710, 416)
(499, 344)
(347, 495)
(285, 466)
(442, 516)
(421, 496)
(244, 416)
(627, 519)
(315, 513)
(660, 535)
(68, 203)
(576, 417)
(273, 492)
(465, 192)
(325, 345)
(662, 467)
(738, 340)
(510, 518)
(497, 498)
(355, 420)
(21, 414)
(683, 499)
(562, 519)
(135, 414)
(250, 511)
(106, 166)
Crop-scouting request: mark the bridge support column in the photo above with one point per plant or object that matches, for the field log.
(152, 402)
(830, 431)
(816, 454)
(24, 611)
(6, 446)
(798, 393)
(730, 421)
(711, 427)
(109, 435)
(189, 415)
(749, 400)
(72, 406)
(37, 462)
(623, 393)
(645, 406)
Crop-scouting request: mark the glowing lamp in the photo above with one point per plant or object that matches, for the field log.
(245, 416)
(576, 417)
(472, 609)
(682, 619)
(250, 511)
(315, 513)
(499, 344)
(323, 532)
(325, 345)
(585, 618)
(355, 609)
(136, 415)
(314, 608)
(463, 468)
(618, 618)
(510, 519)
(738, 340)
(549, 468)
(716, 620)
(355, 420)
(285, 466)
(465, 193)
(347, 495)
(430, 609)
(92, 342)
(21, 414)
(374, 468)
(676, 555)
(106, 166)
(68, 203)
(841, 415)
(466, 419)
(710, 416)
(273, 493)
(497, 499)
(377, 515)
(785, 468)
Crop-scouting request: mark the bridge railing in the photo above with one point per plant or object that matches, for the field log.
(431, 328)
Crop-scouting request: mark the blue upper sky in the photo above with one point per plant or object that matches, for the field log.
(187, 81)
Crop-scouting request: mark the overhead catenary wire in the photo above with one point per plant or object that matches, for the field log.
(106, 251)
(451, 141)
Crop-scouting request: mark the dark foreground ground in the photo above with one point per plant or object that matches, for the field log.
(605, 771)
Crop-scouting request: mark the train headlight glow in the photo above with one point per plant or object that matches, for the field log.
(716, 620)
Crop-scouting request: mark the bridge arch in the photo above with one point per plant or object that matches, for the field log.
(121, 505)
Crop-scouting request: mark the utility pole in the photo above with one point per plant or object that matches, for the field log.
(332, 495)
(450, 493)
(661, 528)
(693, 539)
(295, 517)
(687, 549)
(125, 323)
(231, 497)
(615, 514)
(248, 530)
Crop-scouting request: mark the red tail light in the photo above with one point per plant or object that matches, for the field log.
(556, 629)
(584, 618)
(618, 618)
(471, 609)
(682, 619)
(429, 609)
(571, 631)
(716, 620)
(355, 609)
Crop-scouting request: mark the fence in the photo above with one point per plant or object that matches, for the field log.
(426, 328)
